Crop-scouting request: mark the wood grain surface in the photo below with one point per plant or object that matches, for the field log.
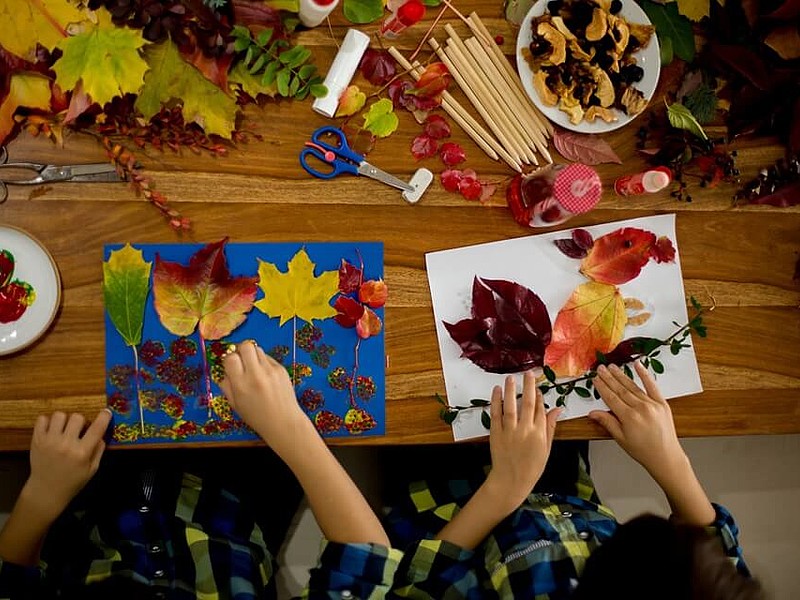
(740, 258)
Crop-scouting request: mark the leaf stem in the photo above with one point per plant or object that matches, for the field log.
(136, 386)
(206, 376)
(294, 351)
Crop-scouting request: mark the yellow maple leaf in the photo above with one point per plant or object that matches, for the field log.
(26, 89)
(172, 78)
(297, 292)
(106, 59)
(27, 23)
(694, 9)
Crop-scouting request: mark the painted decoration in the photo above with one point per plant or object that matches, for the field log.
(307, 305)
(600, 287)
(15, 295)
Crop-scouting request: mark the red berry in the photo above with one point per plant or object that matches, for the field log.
(499, 39)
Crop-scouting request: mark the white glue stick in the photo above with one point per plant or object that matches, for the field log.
(342, 70)
(313, 12)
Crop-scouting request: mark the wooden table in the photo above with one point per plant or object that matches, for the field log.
(741, 258)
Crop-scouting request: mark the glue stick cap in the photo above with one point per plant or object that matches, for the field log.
(342, 70)
(577, 187)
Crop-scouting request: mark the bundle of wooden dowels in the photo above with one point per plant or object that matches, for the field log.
(519, 133)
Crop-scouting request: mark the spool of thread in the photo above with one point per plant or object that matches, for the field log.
(313, 12)
(646, 182)
(342, 70)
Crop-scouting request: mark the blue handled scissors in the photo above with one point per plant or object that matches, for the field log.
(343, 159)
(53, 173)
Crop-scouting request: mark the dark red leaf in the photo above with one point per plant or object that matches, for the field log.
(349, 277)
(509, 328)
(378, 66)
(628, 350)
(451, 178)
(360, 140)
(570, 248)
(583, 239)
(663, 251)
(437, 127)
(788, 195)
(397, 93)
(452, 154)
(256, 15)
(423, 146)
(350, 311)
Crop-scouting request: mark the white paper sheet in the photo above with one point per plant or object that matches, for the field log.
(536, 263)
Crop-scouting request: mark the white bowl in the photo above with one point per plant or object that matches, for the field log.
(648, 58)
(35, 266)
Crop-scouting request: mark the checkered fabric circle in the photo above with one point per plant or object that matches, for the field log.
(577, 187)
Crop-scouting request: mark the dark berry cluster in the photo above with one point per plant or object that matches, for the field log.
(771, 179)
(120, 376)
(183, 348)
(311, 400)
(151, 352)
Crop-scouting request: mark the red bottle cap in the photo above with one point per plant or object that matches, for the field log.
(578, 188)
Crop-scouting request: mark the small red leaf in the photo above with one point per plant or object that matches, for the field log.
(349, 277)
(368, 325)
(378, 66)
(487, 191)
(570, 248)
(374, 293)
(433, 81)
(423, 146)
(437, 127)
(451, 178)
(663, 250)
(452, 154)
(583, 239)
(350, 311)
(470, 188)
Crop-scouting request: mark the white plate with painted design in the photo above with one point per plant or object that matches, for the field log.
(30, 289)
(648, 58)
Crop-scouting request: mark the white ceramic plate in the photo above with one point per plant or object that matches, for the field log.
(33, 265)
(648, 58)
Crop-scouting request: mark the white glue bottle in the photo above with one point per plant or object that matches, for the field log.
(342, 70)
(646, 182)
(313, 12)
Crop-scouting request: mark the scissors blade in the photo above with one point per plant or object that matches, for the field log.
(95, 172)
(375, 173)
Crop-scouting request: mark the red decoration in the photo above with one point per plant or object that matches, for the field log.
(423, 146)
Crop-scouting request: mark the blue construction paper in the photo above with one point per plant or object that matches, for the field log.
(242, 260)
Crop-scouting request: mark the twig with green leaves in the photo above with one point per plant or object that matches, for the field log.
(645, 349)
(278, 63)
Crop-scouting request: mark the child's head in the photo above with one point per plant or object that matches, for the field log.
(651, 557)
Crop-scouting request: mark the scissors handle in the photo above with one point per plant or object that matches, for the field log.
(327, 158)
(341, 148)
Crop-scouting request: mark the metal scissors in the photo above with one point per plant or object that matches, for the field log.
(343, 159)
(95, 172)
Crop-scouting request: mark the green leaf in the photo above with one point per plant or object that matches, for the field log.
(669, 23)
(300, 58)
(479, 402)
(126, 283)
(596, 394)
(583, 392)
(432, 3)
(560, 389)
(486, 420)
(646, 363)
(250, 54)
(258, 64)
(291, 23)
(439, 399)
(288, 56)
(544, 388)
(240, 32)
(702, 102)
(675, 347)
(294, 86)
(265, 36)
(681, 117)
(302, 92)
(600, 357)
(549, 374)
(665, 51)
(172, 78)
(253, 85)
(627, 370)
(450, 416)
(589, 383)
(701, 331)
(363, 11)
(561, 401)
(306, 71)
(107, 61)
(695, 304)
(282, 79)
(657, 366)
(270, 72)
(239, 44)
(318, 90)
(380, 119)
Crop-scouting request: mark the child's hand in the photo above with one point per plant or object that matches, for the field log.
(64, 458)
(520, 441)
(260, 391)
(641, 421)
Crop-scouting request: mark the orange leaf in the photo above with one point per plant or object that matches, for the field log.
(369, 324)
(373, 293)
(619, 256)
(591, 321)
(203, 294)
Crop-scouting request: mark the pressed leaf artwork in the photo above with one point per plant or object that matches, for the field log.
(619, 256)
(15, 295)
(508, 330)
(591, 321)
(163, 367)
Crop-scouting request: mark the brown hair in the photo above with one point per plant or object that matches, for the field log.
(651, 557)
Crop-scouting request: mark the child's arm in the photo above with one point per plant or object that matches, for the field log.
(520, 443)
(260, 391)
(641, 422)
(62, 463)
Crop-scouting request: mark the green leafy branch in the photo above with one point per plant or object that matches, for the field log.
(276, 62)
(647, 350)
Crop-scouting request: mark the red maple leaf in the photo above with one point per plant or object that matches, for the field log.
(452, 154)
(378, 66)
(423, 146)
(437, 127)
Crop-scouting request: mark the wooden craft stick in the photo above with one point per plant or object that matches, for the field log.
(460, 115)
(499, 59)
(498, 120)
(465, 87)
(497, 98)
(536, 135)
